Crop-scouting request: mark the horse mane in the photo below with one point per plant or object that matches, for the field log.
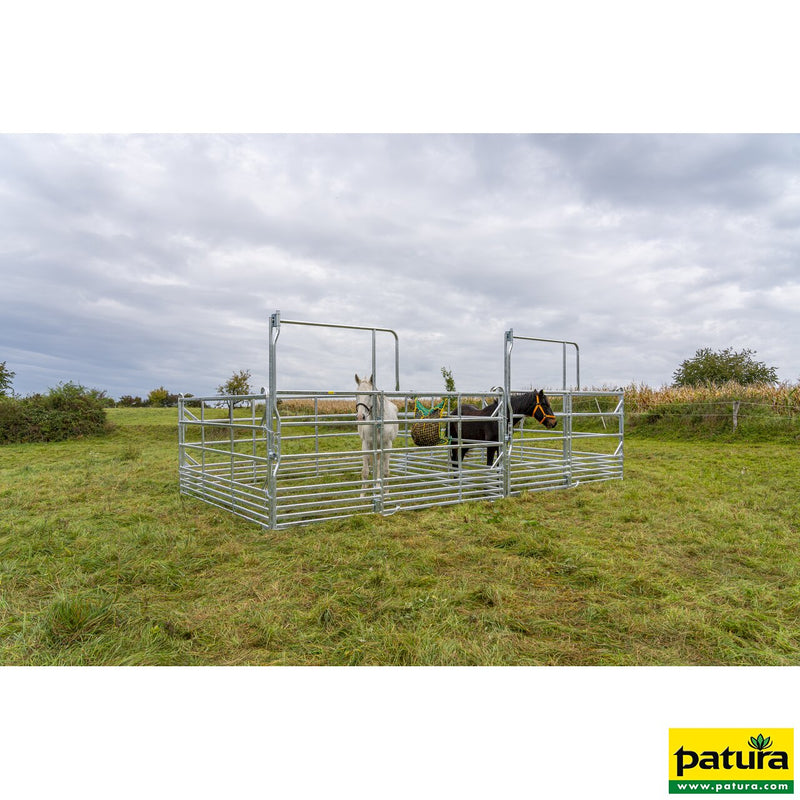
(523, 403)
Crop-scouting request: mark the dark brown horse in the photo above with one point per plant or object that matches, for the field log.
(530, 404)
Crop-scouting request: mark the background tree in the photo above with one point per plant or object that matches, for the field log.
(449, 386)
(128, 401)
(6, 377)
(716, 367)
(158, 397)
(449, 380)
(238, 383)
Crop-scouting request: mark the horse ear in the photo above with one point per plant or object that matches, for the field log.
(358, 380)
(371, 378)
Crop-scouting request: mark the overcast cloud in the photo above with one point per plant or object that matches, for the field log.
(130, 262)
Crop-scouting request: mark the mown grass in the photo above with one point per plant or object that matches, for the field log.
(690, 560)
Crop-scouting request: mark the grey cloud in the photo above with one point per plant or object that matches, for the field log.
(134, 261)
(651, 171)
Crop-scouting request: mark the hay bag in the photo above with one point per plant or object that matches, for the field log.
(428, 434)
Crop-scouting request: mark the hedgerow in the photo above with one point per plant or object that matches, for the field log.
(65, 412)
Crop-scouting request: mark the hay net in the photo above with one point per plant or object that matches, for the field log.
(430, 433)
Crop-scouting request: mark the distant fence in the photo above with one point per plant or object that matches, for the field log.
(724, 413)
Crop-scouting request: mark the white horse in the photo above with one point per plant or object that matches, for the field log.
(371, 409)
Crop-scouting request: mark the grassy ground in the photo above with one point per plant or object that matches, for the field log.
(690, 560)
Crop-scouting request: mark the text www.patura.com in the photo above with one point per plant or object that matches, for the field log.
(722, 787)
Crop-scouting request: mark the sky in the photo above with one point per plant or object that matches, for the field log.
(131, 262)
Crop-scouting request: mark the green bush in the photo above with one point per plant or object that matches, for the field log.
(65, 412)
(709, 367)
(127, 401)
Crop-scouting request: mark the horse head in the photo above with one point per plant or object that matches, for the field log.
(542, 411)
(364, 401)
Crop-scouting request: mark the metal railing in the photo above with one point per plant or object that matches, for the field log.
(308, 466)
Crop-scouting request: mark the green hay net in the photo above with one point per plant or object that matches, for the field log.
(428, 434)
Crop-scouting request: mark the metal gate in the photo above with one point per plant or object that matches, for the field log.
(282, 458)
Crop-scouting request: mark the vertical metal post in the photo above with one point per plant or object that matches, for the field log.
(273, 442)
(620, 446)
(505, 433)
(509, 346)
(459, 448)
(396, 363)
(374, 376)
(274, 333)
(203, 440)
(181, 443)
(564, 366)
(378, 401)
(508, 430)
(181, 436)
(232, 443)
(316, 435)
(253, 434)
(566, 428)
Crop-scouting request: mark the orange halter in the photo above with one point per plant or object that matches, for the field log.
(539, 407)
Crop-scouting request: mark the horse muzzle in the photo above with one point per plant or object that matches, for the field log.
(546, 418)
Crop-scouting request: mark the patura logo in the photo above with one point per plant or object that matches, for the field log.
(731, 761)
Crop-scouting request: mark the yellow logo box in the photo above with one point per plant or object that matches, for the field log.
(749, 754)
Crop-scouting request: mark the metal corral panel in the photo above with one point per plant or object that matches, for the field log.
(306, 465)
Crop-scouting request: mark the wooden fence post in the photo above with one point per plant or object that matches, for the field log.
(735, 413)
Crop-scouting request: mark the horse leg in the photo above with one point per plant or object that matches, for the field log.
(386, 452)
(491, 455)
(458, 454)
(364, 468)
(365, 476)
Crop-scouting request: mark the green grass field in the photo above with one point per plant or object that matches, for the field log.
(691, 559)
